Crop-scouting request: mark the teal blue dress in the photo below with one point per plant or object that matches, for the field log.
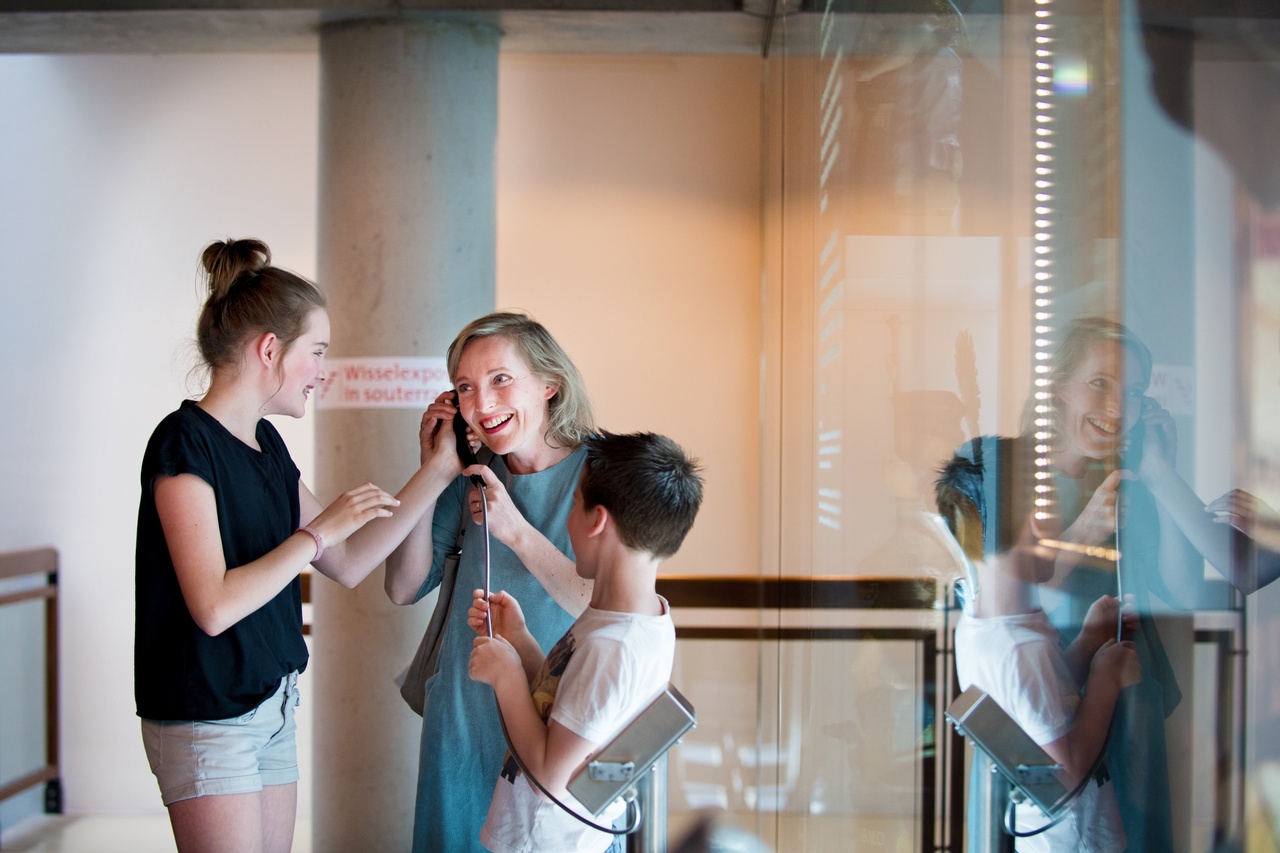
(1136, 754)
(462, 747)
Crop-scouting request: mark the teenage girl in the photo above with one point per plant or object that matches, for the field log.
(225, 525)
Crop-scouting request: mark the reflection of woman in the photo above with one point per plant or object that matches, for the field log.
(1097, 382)
(1098, 414)
(519, 392)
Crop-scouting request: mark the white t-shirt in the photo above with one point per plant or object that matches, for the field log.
(601, 673)
(1018, 661)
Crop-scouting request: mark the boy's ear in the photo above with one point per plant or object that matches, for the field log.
(598, 519)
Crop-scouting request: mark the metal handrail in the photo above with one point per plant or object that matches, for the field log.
(843, 598)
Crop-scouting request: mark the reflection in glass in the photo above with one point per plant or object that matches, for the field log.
(1095, 530)
(953, 184)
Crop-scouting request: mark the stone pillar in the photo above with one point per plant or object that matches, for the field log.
(408, 120)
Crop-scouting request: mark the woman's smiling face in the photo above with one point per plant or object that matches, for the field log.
(502, 399)
(1099, 401)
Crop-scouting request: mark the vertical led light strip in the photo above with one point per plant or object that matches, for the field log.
(1042, 244)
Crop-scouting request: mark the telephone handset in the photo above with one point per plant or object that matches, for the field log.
(464, 447)
(1132, 456)
(468, 459)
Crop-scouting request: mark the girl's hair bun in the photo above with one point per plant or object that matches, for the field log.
(225, 261)
(248, 296)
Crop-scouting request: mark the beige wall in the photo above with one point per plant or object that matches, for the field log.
(629, 222)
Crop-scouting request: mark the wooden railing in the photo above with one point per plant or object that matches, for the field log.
(17, 564)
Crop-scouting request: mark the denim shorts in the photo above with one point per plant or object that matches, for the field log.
(239, 755)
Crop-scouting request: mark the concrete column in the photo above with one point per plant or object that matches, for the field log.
(408, 119)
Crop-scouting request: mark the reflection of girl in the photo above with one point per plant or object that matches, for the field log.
(518, 391)
(1100, 415)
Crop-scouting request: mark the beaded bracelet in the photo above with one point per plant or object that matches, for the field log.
(316, 536)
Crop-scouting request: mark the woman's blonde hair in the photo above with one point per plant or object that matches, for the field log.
(569, 418)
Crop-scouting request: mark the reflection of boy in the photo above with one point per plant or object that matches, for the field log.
(637, 499)
(1006, 646)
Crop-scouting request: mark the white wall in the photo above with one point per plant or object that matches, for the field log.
(114, 172)
(628, 222)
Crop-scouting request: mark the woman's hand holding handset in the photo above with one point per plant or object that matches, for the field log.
(435, 435)
(506, 523)
(1097, 521)
(1154, 440)
(409, 562)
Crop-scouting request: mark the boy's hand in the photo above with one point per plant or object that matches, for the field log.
(492, 660)
(1118, 661)
(508, 618)
(1101, 621)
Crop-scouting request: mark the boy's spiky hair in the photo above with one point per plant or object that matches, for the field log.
(650, 487)
(986, 493)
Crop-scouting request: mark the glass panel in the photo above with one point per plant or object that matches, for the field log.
(1030, 246)
(815, 774)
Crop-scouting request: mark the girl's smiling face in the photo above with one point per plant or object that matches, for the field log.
(1099, 402)
(504, 402)
(303, 366)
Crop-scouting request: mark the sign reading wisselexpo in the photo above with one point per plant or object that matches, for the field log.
(406, 382)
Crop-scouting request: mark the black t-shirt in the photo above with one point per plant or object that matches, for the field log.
(180, 672)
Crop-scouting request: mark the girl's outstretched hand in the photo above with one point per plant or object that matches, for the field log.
(352, 510)
(1241, 510)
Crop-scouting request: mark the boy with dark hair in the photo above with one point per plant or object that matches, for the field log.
(635, 502)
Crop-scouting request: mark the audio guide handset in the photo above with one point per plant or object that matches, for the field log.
(1032, 774)
(465, 453)
(468, 459)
